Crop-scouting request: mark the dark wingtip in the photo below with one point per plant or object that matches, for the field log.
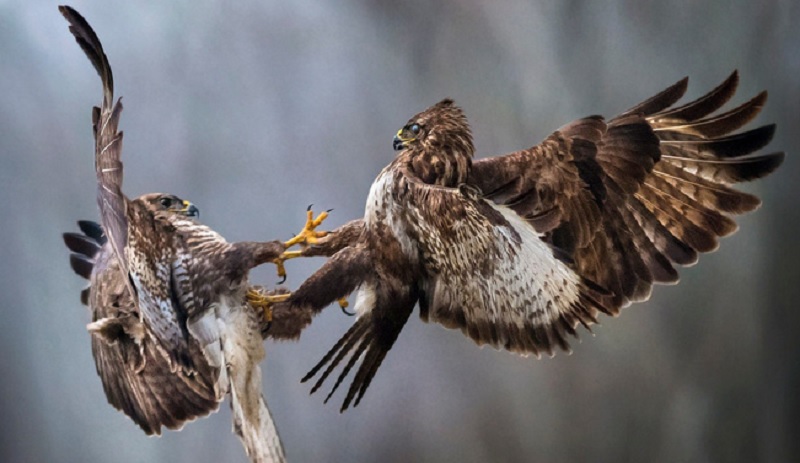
(762, 166)
(660, 101)
(90, 44)
(93, 230)
(81, 265)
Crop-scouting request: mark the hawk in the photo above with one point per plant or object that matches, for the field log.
(175, 323)
(518, 250)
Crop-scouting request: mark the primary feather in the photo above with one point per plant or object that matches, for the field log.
(172, 332)
(518, 250)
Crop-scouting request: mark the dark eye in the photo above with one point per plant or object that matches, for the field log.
(166, 202)
(414, 129)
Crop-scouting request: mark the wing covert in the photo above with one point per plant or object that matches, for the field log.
(628, 199)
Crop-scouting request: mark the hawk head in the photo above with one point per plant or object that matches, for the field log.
(437, 144)
(160, 202)
(442, 126)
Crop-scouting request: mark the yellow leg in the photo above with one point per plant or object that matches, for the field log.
(259, 300)
(343, 304)
(309, 235)
(283, 258)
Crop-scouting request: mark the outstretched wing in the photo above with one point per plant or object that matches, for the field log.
(629, 198)
(108, 141)
(484, 270)
(489, 273)
(137, 378)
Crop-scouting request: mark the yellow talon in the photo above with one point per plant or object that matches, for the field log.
(343, 304)
(283, 258)
(259, 300)
(308, 235)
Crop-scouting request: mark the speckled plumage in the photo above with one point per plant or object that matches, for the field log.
(517, 250)
(172, 332)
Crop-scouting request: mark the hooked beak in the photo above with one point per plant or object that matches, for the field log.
(399, 142)
(190, 210)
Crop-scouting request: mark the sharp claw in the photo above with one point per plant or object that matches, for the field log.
(258, 300)
(343, 304)
(308, 235)
(308, 209)
(281, 269)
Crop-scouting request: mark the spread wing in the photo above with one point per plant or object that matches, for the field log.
(143, 252)
(489, 273)
(108, 141)
(628, 198)
(137, 378)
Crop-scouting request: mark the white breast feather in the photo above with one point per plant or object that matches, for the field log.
(535, 281)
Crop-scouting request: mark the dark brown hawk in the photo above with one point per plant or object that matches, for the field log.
(175, 324)
(518, 250)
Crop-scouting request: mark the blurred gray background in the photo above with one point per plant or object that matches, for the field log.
(256, 109)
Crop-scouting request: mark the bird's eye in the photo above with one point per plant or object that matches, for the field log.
(414, 129)
(166, 202)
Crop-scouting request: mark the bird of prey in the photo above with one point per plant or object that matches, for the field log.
(175, 323)
(518, 250)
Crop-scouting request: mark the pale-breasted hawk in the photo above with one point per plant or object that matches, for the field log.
(518, 250)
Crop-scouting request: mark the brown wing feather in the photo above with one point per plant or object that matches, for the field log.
(136, 377)
(551, 184)
(373, 334)
(108, 141)
(660, 185)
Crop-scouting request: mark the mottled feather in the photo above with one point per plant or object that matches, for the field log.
(517, 250)
(172, 332)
